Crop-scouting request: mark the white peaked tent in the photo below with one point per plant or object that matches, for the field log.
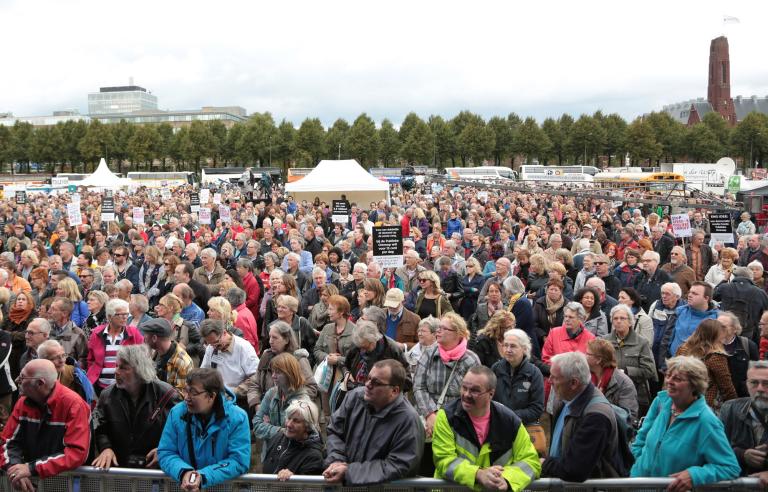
(102, 177)
(330, 179)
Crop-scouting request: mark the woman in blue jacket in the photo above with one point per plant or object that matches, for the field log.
(217, 428)
(681, 437)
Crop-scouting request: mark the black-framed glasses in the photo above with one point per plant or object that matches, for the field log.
(116, 255)
(375, 383)
(473, 392)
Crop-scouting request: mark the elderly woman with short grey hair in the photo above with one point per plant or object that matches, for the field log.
(572, 336)
(369, 346)
(299, 449)
(426, 335)
(519, 384)
(130, 439)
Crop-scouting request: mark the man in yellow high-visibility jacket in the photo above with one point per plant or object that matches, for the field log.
(482, 444)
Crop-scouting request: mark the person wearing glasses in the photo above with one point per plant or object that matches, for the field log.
(20, 314)
(105, 341)
(375, 436)
(124, 267)
(743, 420)
(38, 331)
(431, 300)
(206, 440)
(486, 431)
(681, 437)
(48, 432)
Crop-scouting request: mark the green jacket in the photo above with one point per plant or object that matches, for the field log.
(458, 455)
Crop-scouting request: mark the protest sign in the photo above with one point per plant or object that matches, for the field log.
(205, 196)
(721, 227)
(224, 213)
(204, 215)
(108, 209)
(217, 198)
(388, 246)
(681, 225)
(21, 197)
(340, 211)
(194, 202)
(138, 215)
(73, 214)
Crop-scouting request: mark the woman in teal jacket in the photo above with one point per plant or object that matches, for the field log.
(219, 431)
(681, 437)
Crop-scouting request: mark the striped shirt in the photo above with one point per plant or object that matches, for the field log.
(111, 346)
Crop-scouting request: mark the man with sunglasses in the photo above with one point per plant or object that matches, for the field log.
(498, 452)
(375, 436)
(125, 268)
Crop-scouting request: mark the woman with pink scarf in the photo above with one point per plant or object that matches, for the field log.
(439, 373)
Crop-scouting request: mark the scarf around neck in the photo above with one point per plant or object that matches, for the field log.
(455, 353)
(553, 308)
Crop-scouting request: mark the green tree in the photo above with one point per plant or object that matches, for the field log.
(720, 128)
(231, 147)
(286, 143)
(587, 138)
(218, 141)
(669, 133)
(641, 142)
(419, 148)
(46, 147)
(504, 138)
(21, 144)
(258, 140)
(72, 132)
(5, 146)
(121, 133)
(476, 143)
(335, 140)
(96, 143)
(551, 128)
(143, 145)
(615, 137)
(531, 140)
(445, 140)
(310, 139)
(407, 126)
(196, 144)
(750, 139)
(363, 140)
(165, 143)
(702, 144)
(389, 143)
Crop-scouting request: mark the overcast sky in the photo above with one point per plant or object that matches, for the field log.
(333, 59)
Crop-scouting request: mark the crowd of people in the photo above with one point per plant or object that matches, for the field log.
(524, 335)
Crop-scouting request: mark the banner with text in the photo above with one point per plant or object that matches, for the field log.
(108, 209)
(388, 246)
(204, 215)
(194, 202)
(721, 227)
(681, 225)
(73, 214)
(340, 212)
(138, 215)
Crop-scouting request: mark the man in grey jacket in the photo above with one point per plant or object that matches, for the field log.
(375, 436)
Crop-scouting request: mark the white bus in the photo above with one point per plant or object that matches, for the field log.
(578, 174)
(481, 173)
(162, 179)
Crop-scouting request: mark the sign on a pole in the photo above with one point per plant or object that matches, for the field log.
(388, 246)
(21, 197)
(73, 214)
(217, 198)
(224, 213)
(138, 215)
(721, 227)
(194, 202)
(681, 225)
(165, 194)
(108, 209)
(340, 211)
(205, 196)
(204, 215)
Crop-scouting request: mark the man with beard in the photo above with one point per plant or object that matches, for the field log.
(497, 452)
(745, 420)
(131, 413)
(678, 269)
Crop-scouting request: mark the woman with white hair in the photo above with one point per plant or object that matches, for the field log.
(299, 448)
(519, 384)
(369, 346)
(757, 273)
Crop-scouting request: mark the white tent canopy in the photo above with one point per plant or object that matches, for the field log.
(330, 179)
(102, 178)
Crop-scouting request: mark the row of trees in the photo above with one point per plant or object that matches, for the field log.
(465, 139)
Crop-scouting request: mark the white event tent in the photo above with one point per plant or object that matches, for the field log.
(102, 177)
(330, 179)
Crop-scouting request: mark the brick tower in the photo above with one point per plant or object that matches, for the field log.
(719, 89)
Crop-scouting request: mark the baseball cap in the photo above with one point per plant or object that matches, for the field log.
(393, 298)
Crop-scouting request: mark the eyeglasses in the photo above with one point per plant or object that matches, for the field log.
(118, 255)
(187, 393)
(620, 318)
(444, 328)
(21, 378)
(85, 276)
(31, 333)
(754, 383)
(375, 383)
(120, 314)
(601, 263)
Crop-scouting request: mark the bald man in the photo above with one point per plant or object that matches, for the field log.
(48, 434)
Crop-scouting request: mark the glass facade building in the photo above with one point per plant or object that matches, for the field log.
(123, 99)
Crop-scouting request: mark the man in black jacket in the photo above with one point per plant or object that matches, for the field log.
(744, 299)
(744, 420)
(131, 413)
(648, 283)
(584, 434)
(662, 243)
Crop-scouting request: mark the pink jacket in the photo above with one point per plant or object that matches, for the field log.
(97, 349)
(247, 323)
(558, 342)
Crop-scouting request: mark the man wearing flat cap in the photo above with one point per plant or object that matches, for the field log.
(172, 363)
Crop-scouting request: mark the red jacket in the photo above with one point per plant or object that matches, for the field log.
(252, 294)
(247, 323)
(558, 342)
(97, 348)
(405, 224)
(50, 439)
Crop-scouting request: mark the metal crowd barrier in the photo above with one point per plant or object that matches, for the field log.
(89, 479)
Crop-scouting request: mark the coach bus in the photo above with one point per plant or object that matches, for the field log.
(162, 179)
(576, 174)
(481, 173)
